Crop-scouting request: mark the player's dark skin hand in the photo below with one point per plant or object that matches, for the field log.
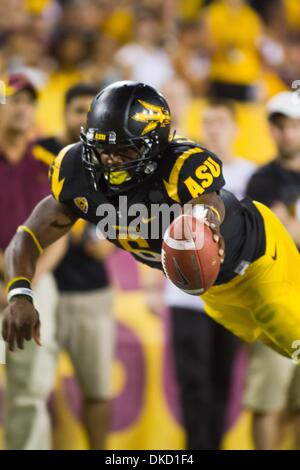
(21, 322)
(213, 223)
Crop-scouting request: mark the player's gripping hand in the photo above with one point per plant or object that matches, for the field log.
(213, 223)
(21, 322)
(207, 215)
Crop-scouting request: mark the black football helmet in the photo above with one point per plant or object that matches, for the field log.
(125, 118)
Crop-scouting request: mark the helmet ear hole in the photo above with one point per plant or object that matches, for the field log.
(150, 168)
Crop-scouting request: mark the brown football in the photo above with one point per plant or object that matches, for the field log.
(190, 256)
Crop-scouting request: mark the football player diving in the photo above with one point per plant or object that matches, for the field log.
(127, 149)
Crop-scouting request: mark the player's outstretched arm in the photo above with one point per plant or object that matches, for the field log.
(49, 221)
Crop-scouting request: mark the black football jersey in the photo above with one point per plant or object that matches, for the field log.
(46, 149)
(136, 220)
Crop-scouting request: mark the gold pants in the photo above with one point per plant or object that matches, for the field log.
(264, 303)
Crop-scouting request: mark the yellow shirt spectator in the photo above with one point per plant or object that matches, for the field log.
(119, 25)
(292, 11)
(50, 110)
(37, 6)
(189, 9)
(235, 31)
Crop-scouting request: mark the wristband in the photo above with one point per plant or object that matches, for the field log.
(20, 292)
(17, 282)
(19, 286)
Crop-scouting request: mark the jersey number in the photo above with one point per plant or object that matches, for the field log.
(142, 250)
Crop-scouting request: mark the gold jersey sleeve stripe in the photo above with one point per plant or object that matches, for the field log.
(56, 183)
(45, 156)
(172, 185)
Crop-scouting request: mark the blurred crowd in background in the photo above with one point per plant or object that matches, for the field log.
(245, 50)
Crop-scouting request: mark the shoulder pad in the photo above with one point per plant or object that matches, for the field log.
(62, 169)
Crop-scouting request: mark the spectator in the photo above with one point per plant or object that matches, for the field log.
(71, 52)
(289, 69)
(144, 60)
(101, 69)
(234, 31)
(119, 20)
(86, 15)
(190, 61)
(178, 93)
(24, 182)
(25, 53)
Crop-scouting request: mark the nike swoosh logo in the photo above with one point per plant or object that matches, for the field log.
(274, 257)
(146, 221)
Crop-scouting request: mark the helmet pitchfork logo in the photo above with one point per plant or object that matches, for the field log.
(153, 116)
